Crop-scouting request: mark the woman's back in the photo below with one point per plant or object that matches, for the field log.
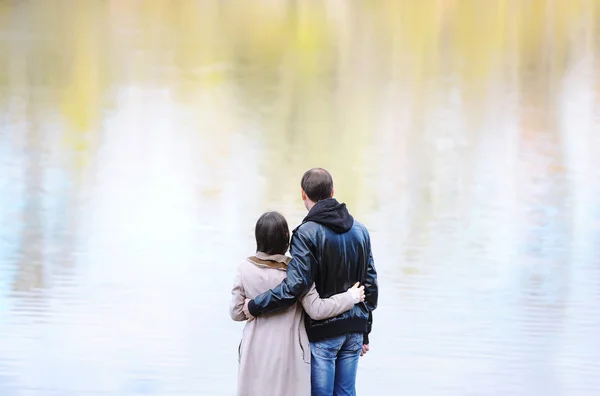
(274, 353)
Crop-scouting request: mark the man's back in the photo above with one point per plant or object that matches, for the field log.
(342, 259)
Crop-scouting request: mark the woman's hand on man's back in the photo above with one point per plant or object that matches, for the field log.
(358, 293)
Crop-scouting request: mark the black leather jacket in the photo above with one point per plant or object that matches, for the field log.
(333, 250)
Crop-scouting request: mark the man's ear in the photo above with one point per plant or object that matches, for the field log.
(304, 197)
(332, 192)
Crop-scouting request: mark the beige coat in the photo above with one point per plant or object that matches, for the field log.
(274, 354)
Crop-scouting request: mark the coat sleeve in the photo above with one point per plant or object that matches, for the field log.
(324, 308)
(299, 278)
(371, 291)
(238, 297)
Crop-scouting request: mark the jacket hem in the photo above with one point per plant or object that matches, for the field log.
(337, 328)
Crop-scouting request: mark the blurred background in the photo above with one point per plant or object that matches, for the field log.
(141, 140)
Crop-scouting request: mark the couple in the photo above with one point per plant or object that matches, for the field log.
(284, 352)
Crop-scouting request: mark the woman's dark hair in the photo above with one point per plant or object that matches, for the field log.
(272, 234)
(317, 183)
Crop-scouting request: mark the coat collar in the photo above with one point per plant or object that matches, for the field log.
(276, 261)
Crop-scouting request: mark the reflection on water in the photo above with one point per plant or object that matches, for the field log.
(141, 140)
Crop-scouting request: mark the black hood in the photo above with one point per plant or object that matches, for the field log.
(332, 214)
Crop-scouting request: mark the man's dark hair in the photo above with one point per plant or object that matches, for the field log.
(272, 233)
(317, 183)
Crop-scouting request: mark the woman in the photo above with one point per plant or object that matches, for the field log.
(274, 354)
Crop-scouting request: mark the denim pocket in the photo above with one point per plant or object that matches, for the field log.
(356, 341)
(328, 348)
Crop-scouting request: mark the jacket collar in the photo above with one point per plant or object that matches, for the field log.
(331, 214)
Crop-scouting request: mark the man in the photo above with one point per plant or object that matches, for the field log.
(333, 250)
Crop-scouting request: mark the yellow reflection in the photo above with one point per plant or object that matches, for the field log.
(81, 102)
(311, 75)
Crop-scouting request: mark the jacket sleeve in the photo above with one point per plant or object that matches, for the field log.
(324, 308)
(371, 292)
(299, 278)
(238, 298)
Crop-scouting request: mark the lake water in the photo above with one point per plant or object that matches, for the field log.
(141, 140)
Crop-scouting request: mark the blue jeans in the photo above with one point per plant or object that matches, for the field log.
(334, 362)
